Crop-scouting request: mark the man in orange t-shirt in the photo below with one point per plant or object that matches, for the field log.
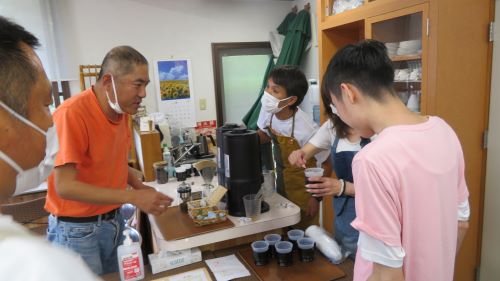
(89, 182)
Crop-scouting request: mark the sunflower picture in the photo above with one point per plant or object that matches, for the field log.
(174, 80)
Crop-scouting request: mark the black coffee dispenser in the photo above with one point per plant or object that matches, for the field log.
(242, 173)
(220, 150)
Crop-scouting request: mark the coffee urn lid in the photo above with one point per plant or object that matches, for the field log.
(240, 132)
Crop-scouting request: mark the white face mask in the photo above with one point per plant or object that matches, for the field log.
(334, 109)
(33, 177)
(114, 105)
(271, 104)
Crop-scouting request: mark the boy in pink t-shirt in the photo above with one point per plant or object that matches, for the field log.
(411, 197)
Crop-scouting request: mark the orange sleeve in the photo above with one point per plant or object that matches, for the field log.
(73, 139)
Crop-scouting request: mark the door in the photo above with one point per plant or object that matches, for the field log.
(490, 253)
(239, 70)
(404, 34)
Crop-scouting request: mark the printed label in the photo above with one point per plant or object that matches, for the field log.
(219, 158)
(226, 166)
(131, 266)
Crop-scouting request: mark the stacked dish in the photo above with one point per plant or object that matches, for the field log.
(409, 47)
(392, 48)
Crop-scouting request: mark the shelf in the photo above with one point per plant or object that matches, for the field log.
(402, 86)
(406, 58)
(408, 81)
(367, 10)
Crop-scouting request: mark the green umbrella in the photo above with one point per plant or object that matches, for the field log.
(296, 39)
(283, 27)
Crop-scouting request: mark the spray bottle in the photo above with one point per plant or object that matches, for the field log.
(130, 259)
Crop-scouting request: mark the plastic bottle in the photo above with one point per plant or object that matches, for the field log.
(167, 157)
(130, 259)
(310, 103)
(165, 130)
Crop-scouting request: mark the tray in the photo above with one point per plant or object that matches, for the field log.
(319, 269)
(174, 224)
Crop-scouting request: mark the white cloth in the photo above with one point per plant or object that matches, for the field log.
(26, 257)
(376, 251)
(464, 211)
(304, 129)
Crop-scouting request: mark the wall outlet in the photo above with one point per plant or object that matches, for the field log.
(203, 104)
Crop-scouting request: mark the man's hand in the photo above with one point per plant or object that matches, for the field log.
(151, 201)
(312, 207)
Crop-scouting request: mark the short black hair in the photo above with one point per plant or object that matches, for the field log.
(293, 80)
(18, 74)
(121, 61)
(365, 65)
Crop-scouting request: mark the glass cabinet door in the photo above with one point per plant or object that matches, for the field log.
(404, 33)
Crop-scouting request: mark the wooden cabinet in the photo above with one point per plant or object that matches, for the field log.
(455, 69)
(148, 149)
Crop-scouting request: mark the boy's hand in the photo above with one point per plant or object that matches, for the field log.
(297, 158)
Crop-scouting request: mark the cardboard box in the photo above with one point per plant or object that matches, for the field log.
(168, 260)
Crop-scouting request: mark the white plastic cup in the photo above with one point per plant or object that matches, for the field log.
(252, 206)
(283, 247)
(312, 172)
(272, 239)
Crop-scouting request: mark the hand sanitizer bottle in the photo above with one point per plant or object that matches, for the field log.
(130, 259)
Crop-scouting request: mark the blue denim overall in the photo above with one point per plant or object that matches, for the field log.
(343, 206)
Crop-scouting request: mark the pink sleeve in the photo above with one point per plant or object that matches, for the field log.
(378, 209)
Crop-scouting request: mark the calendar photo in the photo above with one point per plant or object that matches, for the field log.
(174, 91)
(174, 79)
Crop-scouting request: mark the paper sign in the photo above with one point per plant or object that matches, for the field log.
(216, 195)
(227, 268)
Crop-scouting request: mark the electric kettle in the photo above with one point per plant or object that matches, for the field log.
(203, 147)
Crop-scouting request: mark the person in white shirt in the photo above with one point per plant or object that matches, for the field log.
(27, 149)
(289, 128)
(338, 138)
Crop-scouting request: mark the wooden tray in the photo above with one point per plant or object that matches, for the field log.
(174, 225)
(319, 269)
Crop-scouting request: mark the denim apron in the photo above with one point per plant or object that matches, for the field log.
(290, 180)
(343, 206)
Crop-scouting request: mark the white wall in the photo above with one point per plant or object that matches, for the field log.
(86, 30)
(81, 32)
(310, 64)
(31, 15)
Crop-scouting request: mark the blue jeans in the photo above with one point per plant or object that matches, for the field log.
(96, 242)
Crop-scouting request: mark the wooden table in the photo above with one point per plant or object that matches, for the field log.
(347, 267)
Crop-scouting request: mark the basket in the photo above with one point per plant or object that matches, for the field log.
(218, 218)
(199, 210)
(195, 208)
